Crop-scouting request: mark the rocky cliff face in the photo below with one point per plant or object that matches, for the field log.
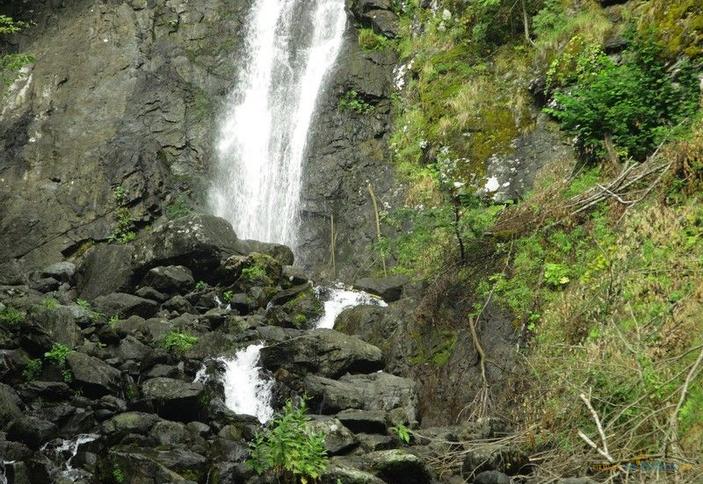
(121, 96)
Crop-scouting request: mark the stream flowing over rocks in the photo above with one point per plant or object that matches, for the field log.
(124, 402)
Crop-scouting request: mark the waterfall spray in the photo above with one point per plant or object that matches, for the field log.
(291, 47)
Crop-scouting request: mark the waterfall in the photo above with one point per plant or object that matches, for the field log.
(337, 299)
(246, 392)
(291, 47)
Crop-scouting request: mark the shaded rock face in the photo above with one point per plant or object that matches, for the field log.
(347, 151)
(122, 94)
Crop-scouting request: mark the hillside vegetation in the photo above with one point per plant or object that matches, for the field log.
(600, 263)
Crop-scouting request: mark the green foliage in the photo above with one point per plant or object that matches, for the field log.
(10, 64)
(289, 448)
(113, 321)
(556, 275)
(178, 341)
(58, 354)
(351, 101)
(200, 286)
(119, 194)
(551, 18)
(123, 232)
(179, 207)
(403, 433)
(254, 274)
(117, 474)
(32, 370)
(8, 25)
(637, 103)
(227, 296)
(11, 317)
(83, 304)
(50, 303)
(370, 40)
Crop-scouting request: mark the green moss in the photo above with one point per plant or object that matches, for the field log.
(178, 341)
(369, 40)
(11, 317)
(436, 347)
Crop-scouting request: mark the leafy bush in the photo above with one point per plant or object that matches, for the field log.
(11, 317)
(351, 101)
(178, 341)
(289, 448)
(637, 103)
(123, 232)
(32, 370)
(370, 40)
(556, 275)
(58, 354)
(8, 25)
(253, 274)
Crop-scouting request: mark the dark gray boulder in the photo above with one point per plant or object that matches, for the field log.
(12, 273)
(175, 399)
(325, 352)
(10, 405)
(124, 305)
(61, 271)
(31, 431)
(492, 477)
(398, 467)
(338, 438)
(389, 288)
(281, 253)
(105, 269)
(130, 423)
(130, 348)
(196, 241)
(364, 421)
(93, 375)
(169, 279)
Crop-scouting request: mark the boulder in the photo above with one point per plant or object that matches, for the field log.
(323, 351)
(105, 269)
(338, 472)
(150, 293)
(130, 423)
(61, 323)
(12, 273)
(281, 253)
(125, 305)
(338, 438)
(196, 241)
(93, 375)
(61, 271)
(373, 442)
(370, 323)
(394, 395)
(169, 279)
(31, 431)
(294, 275)
(175, 399)
(10, 405)
(131, 348)
(389, 288)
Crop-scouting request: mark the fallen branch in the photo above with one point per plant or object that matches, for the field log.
(674, 419)
(603, 450)
(378, 226)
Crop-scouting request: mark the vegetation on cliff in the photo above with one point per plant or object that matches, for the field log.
(599, 264)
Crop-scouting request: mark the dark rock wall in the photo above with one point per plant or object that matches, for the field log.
(121, 94)
(347, 151)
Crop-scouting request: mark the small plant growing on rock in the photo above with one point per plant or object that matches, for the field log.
(114, 319)
(254, 274)
(289, 448)
(227, 296)
(118, 474)
(32, 370)
(85, 305)
(370, 40)
(50, 303)
(178, 342)
(58, 354)
(403, 433)
(11, 317)
(351, 101)
(123, 232)
(200, 286)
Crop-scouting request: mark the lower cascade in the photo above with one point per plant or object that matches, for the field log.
(246, 391)
(337, 298)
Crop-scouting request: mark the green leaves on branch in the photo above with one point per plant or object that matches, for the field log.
(289, 448)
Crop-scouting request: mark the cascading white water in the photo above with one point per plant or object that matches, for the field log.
(292, 45)
(246, 392)
(337, 299)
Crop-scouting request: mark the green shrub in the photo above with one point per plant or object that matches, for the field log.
(253, 274)
(50, 303)
(178, 341)
(58, 354)
(556, 275)
(351, 101)
(370, 40)
(32, 370)
(637, 103)
(289, 448)
(123, 232)
(11, 317)
(227, 296)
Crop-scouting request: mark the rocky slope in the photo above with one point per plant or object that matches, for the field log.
(100, 370)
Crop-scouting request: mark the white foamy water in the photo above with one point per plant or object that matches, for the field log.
(337, 299)
(291, 47)
(246, 392)
(65, 450)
